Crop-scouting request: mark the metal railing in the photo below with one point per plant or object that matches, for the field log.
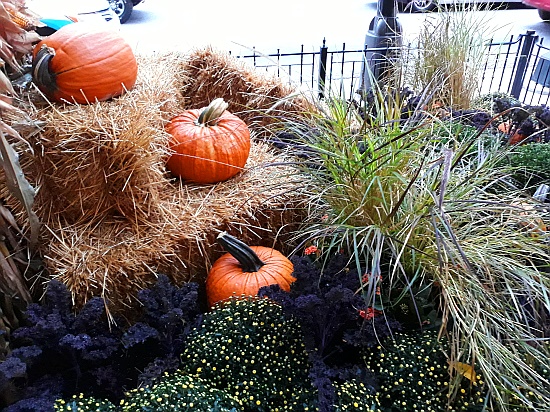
(519, 66)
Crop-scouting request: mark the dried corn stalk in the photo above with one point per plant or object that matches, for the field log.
(15, 43)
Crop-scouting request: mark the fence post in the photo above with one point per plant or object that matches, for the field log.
(528, 39)
(322, 69)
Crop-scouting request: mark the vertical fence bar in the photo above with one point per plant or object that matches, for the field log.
(302, 64)
(322, 69)
(342, 92)
(525, 54)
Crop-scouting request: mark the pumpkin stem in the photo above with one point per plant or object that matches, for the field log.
(211, 114)
(250, 262)
(41, 69)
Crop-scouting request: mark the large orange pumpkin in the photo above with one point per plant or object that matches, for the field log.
(245, 269)
(209, 145)
(82, 63)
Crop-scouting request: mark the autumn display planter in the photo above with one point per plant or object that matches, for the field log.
(338, 329)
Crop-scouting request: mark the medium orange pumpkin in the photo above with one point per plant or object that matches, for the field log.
(245, 269)
(209, 145)
(82, 63)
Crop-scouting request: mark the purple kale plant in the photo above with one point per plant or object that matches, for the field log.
(168, 315)
(87, 353)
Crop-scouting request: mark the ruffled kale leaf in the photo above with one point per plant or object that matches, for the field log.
(328, 303)
(167, 317)
(39, 395)
(138, 333)
(169, 309)
(13, 367)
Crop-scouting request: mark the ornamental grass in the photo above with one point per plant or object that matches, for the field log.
(451, 53)
(426, 207)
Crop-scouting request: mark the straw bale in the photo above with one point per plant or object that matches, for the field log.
(113, 218)
(250, 93)
(115, 259)
(106, 159)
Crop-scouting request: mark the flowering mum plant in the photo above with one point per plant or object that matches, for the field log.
(249, 349)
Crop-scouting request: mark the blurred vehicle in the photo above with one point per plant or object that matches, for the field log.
(55, 14)
(543, 7)
(421, 6)
(124, 8)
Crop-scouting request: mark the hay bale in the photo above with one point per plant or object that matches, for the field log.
(117, 258)
(106, 159)
(258, 98)
(114, 218)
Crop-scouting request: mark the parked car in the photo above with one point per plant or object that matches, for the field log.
(421, 6)
(124, 8)
(55, 14)
(543, 7)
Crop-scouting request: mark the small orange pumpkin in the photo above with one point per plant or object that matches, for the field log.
(208, 145)
(245, 269)
(82, 63)
(505, 126)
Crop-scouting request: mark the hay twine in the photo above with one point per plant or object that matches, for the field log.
(113, 218)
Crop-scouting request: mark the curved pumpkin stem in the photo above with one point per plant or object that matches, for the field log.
(249, 261)
(211, 114)
(41, 69)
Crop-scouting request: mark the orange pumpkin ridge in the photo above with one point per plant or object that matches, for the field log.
(245, 269)
(81, 63)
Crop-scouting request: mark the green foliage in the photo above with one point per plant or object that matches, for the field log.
(414, 375)
(171, 393)
(430, 207)
(247, 348)
(530, 164)
(487, 101)
(354, 396)
(81, 403)
(529, 396)
(179, 393)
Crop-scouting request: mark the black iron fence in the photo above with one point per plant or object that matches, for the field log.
(519, 66)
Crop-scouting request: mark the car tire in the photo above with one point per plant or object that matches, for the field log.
(544, 14)
(421, 6)
(122, 8)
